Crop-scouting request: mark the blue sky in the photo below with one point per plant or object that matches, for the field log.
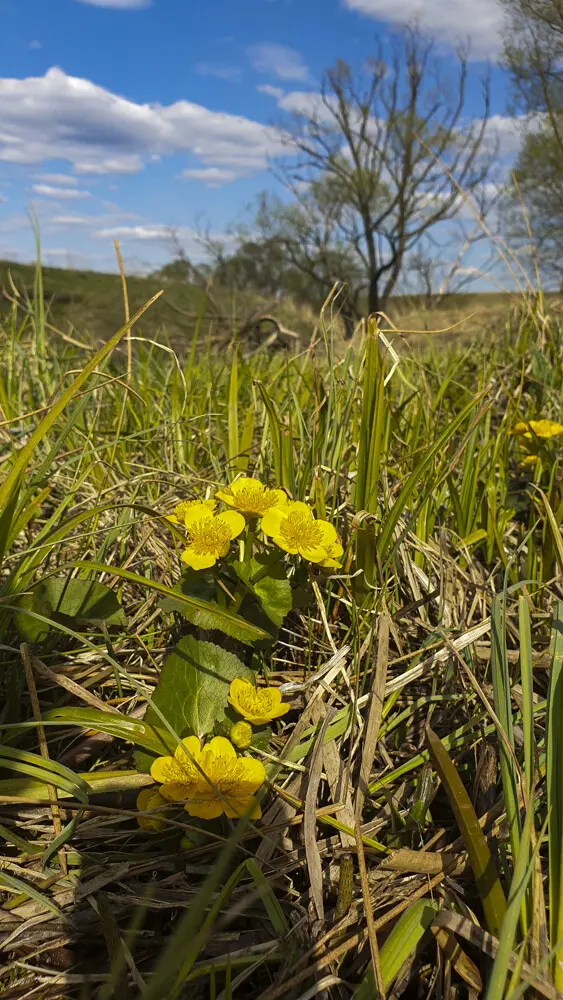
(123, 118)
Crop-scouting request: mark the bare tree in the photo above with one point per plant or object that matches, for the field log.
(379, 160)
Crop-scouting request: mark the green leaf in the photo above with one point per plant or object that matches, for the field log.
(399, 944)
(201, 613)
(191, 584)
(61, 598)
(266, 577)
(142, 734)
(193, 688)
(484, 871)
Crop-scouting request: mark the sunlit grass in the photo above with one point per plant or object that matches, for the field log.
(449, 536)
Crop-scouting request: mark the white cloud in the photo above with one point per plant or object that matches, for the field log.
(450, 21)
(306, 102)
(232, 73)
(48, 191)
(213, 177)
(35, 44)
(266, 88)
(118, 4)
(63, 117)
(57, 179)
(278, 60)
(147, 232)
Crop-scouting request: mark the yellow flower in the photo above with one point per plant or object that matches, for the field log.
(257, 705)
(148, 799)
(251, 497)
(209, 535)
(333, 554)
(295, 530)
(540, 429)
(241, 735)
(227, 785)
(180, 510)
(179, 773)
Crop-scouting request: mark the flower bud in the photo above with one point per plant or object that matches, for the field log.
(241, 735)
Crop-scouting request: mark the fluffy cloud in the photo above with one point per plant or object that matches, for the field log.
(266, 88)
(48, 191)
(278, 60)
(63, 117)
(147, 232)
(450, 21)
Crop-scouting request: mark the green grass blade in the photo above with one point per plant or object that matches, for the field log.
(486, 877)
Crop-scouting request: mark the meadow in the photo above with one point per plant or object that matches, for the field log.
(410, 842)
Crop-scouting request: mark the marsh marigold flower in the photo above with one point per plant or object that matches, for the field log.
(227, 785)
(537, 428)
(180, 510)
(295, 530)
(251, 497)
(147, 800)
(256, 705)
(209, 535)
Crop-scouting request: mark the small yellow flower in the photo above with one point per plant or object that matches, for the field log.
(241, 735)
(177, 774)
(333, 554)
(209, 535)
(256, 705)
(251, 497)
(227, 785)
(295, 530)
(529, 460)
(148, 799)
(180, 510)
(537, 428)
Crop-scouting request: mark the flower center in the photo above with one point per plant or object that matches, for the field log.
(299, 530)
(209, 535)
(255, 499)
(256, 701)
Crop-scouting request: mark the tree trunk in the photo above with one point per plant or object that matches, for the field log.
(374, 304)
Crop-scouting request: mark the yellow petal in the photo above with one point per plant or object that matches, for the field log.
(220, 746)
(235, 808)
(282, 543)
(198, 512)
(225, 497)
(251, 772)
(299, 507)
(192, 745)
(172, 518)
(163, 769)
(176, 791)
(197, 561)
(281, 498)
(234, 520)
(204, 808)
(145, 797)
(312, 553)
(272, 520)
(328, 532)
(243, 482)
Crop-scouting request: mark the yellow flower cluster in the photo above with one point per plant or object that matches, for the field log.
(290, 524)
(210, 780)
(531, 429)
